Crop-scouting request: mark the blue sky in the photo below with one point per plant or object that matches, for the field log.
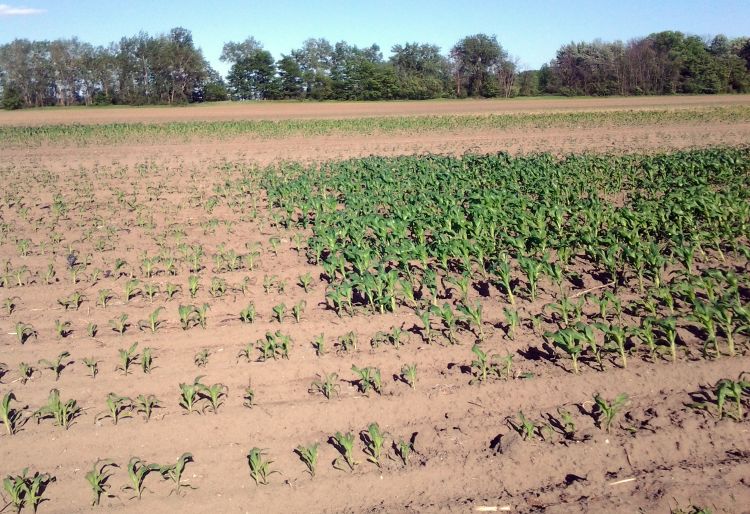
(531, 30)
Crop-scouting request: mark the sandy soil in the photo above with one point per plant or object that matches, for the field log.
(337, 110)
(662, 455)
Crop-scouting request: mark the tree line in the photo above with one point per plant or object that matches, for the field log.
(170, 69)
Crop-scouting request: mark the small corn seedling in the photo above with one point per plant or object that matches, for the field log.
(279, 312)
(137, 472)
(24, 332)
(269, 282)
(218, 287)
(374, 440)
(63, 413)
(246, 352)
(145, 404)
(248, 396)
(62, 328)
(150, 291)
(607, 411)
(201, 358)
(118, 407)
(482, 365)
(128, 357)
(92, 329)
(409, 374)
(615, 336)
(727, 389)
(120, 325)
(368, 378)
(309, 456)
(25, 490)
(193, 285)
(97, 479)
(298, 309)
(448, 317)
(147, 360)
(215, 395)
(260, 467)
(248, 314)
(57, 365)
(189, 394)
(171, 290)
(344, 443)
(513, 320)
(25, 372)
(524, 426)
(73, 301)
(305, 281)
(319, 345)
(347, 342)
(404, 449)
(174, 472)
(104, 296)
(473, 316)
(93, 366)
(327, 385)
(566, 423)
(202, 311)
(566, 340)
(153, 322)
(10, 416)
(188, 316)
(131, 289)
(10, 304)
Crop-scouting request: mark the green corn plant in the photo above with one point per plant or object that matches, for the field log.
(71, 302)
(202, 311)
(97, 478)
(189, 394)
(567, 424)
(473, 316)
(347, 342)
(566, 340)
(218, 287)
(131, 289)
(448, 318)
(187, 315)
(305, 281)
(298, 309)
(10, 304)
(247, 315)
(344, 443)
(153, 322)
(403, 450)
(425, 317)
(327, 385)
(118, 407)
(462, 284)
(409, 374)
(147, 360)
(279, 311)
(145, 404)
(319, 345)
(93, 366)
(128, 357)
(269, 282)
(246, 352)
(25, 372)
(616, 336)
(24, 332)
(669, 327)
(512, 318)
(138, 470)
(174, 472)
(248, 396)
(104, 296)
(607, 411)
(201, 358)
(532, 268)
(646, 335)
(374, 439)
(503, 271)
(309, 456)
(482, 365)
(27, 490)
(525, 427)
(150, 291)
(62, 328)
(171, 290)
(92, 329)
(215, 394)
(63, 413)
(704, 314)
(368, 378)
(193, 285)
(727, 389)
(10, 416)
(260, 467)
(120, 325)
(58, 365)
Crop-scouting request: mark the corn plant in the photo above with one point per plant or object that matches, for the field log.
(532, 268)
(189, 394)
(607, 411)
(57, 365)
(92, 329)
(201, 358)
(71, 302)
(27, 490)
(128, 357)
(368, 378)
(201, 312)
(188, 316)
(327, 385)
(10, 416)
(473, 316)
(482, 365)
(448, 318)
(10, 304)
(525, 427)
(319, 345)
(409, 374)
(171, 290)
(153, 322)
(374, 439)
(344, 443)
(120, 325)
(260, 467)
(104, 296)
(63, 413)
(347, 342)
(97, 478)
(298, 309)
(131, 289)
(215, 395)
(145, 404)
(727, 389)
(403, 450)
(513, 321)
(147, 360)
(174, 472)
(309, 456)
(118, 407)
(615, 336)
(193, 285)
(93, 366)
(62, 328)
(24, 332)
(279, 312)
(218, 287)
(248, 396)
(25, 372)
(305, 281)
(247, 315)
(138, 470)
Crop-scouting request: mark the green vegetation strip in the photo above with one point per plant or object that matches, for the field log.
(114, 133)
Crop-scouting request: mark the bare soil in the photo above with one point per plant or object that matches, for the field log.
(660, 456)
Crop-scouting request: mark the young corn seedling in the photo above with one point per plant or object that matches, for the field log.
(118, 407)
(319, 344)
(567, 425)
(404, 449)
(147, 360)
(127, 358)
(512, 319)
(26, 490)
(448, 318)
(532, 268)
(260, 467)
(137, 472)
(566, 340)
(10, 416)
(248, 396)
(71, 302)
(120, 325)
(93, 366)
(298, 309)
(473, 316)
(525, 427)
(62, 328)
(218, 287)
(145, 404)
(247, 315)
(64, 413)
(24, 332)
(409, 374)
(153, 322)
(57, 365)
(615, 336)
(344, 443)
(215, 394)
(25, 372)
(171, 290)
(201, 358)
(327, 385)
(368, 378)
(201, 312)
(131, 289)
(193, 285)
(727, 389)
(104, 296)
(97, 479)
(189, 394)
(482, 366)
(374, 440)
(347, 342)
(279, 312)
(309, 456)
(669, 327)
(10, 304)
(607, 411)
(174, 472)
(188, 316)
(92, 329)
(305, 281)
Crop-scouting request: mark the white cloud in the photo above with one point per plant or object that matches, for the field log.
(9, 10)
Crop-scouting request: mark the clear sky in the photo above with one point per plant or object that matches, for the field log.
(531, 30)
